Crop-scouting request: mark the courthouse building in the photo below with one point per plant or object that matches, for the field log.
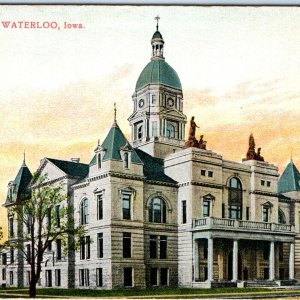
(164, 210)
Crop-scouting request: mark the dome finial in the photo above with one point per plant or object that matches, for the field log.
(24, 158)
(157, 18)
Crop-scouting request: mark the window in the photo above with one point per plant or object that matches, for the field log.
(3, 274)
(81, 277)
(210, 173)
(126, 244)
(163, 247)
(153, 246)
(126, 203)
(99, 277)
(11, 227)
(126, 160)
(28, 223)
(88, 247)
(84, 212)
(170, 130)
(87, 277)
(12, 256)
(154, 128)
(183, 205)
(27, 277)
(48, 278)
(235, 198)
(153, 276)
(206, 208)
(28, 253)
(128, 277)
(140, 131)
(157, 211)
(58, 249)
(153, 99)
(100, 245)
(57, 277)
(4, 259)
(10, 194)
(163, 276)
(85, 247)
(247, 213)
(11, 277)
(268, 183)
(100, 206)
(82, 248)
(203, 172)
(281, 217)
(49, 215)
(57, 216)
(99, 160)
(262, 182)
(49, 245)
(265, 214)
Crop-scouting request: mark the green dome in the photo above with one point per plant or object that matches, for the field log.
(157, 35)
(158, 71)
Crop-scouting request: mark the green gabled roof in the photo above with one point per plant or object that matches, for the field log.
(71, 168)
(157, 71)
(290, 179)
(153, 168)
(93, 160)
(21, 190)
(114, 141)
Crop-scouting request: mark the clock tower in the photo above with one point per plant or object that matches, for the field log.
(158, 122)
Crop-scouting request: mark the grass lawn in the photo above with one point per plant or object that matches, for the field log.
(147, 293)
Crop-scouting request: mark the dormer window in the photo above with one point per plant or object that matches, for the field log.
(126, 160)
(99, 160)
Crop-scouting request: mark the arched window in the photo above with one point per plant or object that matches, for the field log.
(157, 211)
(126, 163)
(170, 130)
(84, 211)
(235, 199)
(140, 131)
(99, 160)
(281, 217)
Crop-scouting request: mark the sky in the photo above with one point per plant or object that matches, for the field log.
(239, 68)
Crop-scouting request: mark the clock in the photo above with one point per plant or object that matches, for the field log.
(141, 103)
(170, 102)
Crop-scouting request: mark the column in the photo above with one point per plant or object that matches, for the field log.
(235, 261)
(292, 261)
(272, 262)
(210, 259)
(196, 259)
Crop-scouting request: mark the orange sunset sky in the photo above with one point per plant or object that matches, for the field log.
(239, 68)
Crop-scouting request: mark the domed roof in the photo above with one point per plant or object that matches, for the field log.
(157, 35)
(158, 71)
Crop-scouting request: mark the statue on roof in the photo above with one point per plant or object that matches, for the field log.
(192, 141)
(251, 154)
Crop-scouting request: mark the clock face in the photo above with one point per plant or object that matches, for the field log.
(170, 102)
(141, 103)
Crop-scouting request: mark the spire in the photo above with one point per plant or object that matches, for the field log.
(24, 159)
(157, 42)
(115, 115)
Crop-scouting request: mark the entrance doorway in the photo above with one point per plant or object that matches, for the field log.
(229, 266)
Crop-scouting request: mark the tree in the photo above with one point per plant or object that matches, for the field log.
(44, 218)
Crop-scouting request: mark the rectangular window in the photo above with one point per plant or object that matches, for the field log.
(48, 278)
(11, 227)
(57, 277)
(87, 277)
(206, 208)
(247, 213)
(268, 183)
(153, 246)
(128, 277)
(234, 212)
(153, 99)
(153, 277)
(126, 199)
(100, 245)
(183, 205)
(81, 277)
(57, 216)
(82, 248)
(210, 174)
(100, 206)
(126, 244)
(163, 247)
(12, 256)
(58, 249)
(163, 276)
(4, 260)
(223, 210)
(49, 245)
(88, 247)
(11, 277)
(154, 128)
(3, 274)
(203, 172)
(28, 277)
(99, 277)
(265, 214)
(28, 253)
(262, 182)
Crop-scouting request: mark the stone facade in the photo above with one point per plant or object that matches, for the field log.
(158, 214)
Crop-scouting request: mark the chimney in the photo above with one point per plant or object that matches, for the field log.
(75, 159)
